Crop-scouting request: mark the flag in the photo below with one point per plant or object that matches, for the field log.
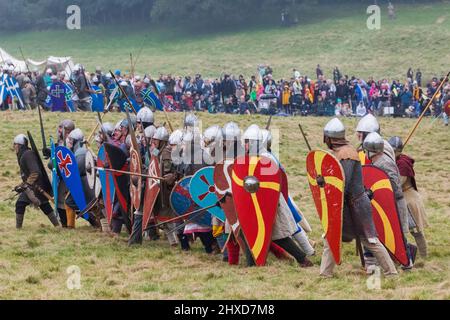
(97, 99)
(151, 99)
(3, 91)
(13, 89)
(58, 92)
(123, 103)
(69, 94)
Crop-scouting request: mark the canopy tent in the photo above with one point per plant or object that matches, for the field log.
(58, 64)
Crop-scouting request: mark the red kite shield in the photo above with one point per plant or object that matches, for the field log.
(152, 190)
(135, 181)
(326, 181)
(384, 211)
(256, 184)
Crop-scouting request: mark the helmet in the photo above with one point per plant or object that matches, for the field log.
(213, 134)
(67, 124)
(374, 143)
(76, 135)
(118, 125)
(133, 121)
(396, 143)
(145, 115)
(334, 129)
(124, 84)
(368, 124)
(161, 134)
(21, 139)
(76, 68)
(176, 137)
(137, 78)
(128, 141)
(51, 71)
(147, 81)
(108, 128)
(95, 79)
(266, 138)
(231, 131)
(150, 132)
(253, 133)
(53, 77)
(191, 120)
(117, 72)
(192, 137)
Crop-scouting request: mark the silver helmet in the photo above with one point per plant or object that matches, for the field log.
(150, 132)
(67, 124)
(161, 134)
(76, 135)
(266, 138)
(368, 124)
(396, 143)
(334, 129)
(145, 115)
(231, 132)
(176, 138)
(108, 128)
(253, 133)
(128, 141)
(373, 143)
(191, 120)
(212, 135)
(21, 139)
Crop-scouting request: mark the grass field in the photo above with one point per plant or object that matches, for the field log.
(34, 260)
(331, 36)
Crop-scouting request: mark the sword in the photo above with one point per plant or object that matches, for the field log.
(44, 142)
(304, 137)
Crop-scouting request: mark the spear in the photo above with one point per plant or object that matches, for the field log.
(425, 110)
(127, 173)
(304, 137)
(123, 91)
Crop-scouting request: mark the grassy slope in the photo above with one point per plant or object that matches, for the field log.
(33, 261)
(417, 38)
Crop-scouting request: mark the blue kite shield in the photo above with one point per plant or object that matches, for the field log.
(203, 192)
(107, 182)
(58, 96)
(68, 168)
(55, 177)
(151, 99)
(182, 203)
(112, 88)
(97, 99)
(13, 89)
(123, 103)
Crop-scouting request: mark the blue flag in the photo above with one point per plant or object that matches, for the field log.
(69, 94)
(12, 86)
(58, 96)
(3, 91)
(151, 99)
(123, 103)
(97, 99)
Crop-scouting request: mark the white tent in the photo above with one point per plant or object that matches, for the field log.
(58, 64)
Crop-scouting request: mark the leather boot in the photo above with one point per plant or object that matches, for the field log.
(70, 214)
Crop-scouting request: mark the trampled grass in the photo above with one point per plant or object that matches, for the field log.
(34, 260)
(329, 35)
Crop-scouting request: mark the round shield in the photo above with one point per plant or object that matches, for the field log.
(182, 203)
(90, 169)
(203, 192)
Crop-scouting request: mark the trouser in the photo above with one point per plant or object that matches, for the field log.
(445, 116)
(45, 207)
(62, 217)
(302, 240)
(421, 242)
(292, 248)
(233, 252)
(116, 225)
(375, 247)
(207, 240)
(221, 239)
(136, 231)
(184, 241)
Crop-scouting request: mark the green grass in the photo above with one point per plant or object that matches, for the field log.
(34, 260)
(327, 35)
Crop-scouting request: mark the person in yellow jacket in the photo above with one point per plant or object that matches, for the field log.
(286, 98)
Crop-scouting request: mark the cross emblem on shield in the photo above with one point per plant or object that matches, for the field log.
(63, 164)
(57, 92)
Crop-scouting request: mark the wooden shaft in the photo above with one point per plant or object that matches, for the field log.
(130, 173)
(425, 110)
(304, 136)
